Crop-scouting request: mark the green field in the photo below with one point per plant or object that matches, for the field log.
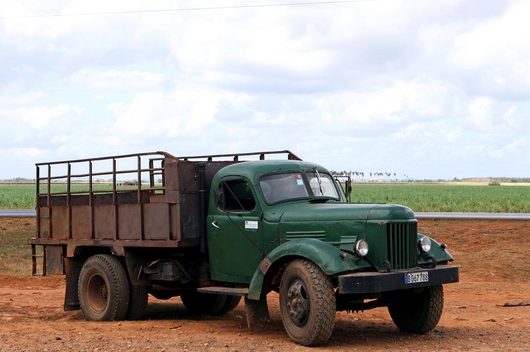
(22, 196)
(446, 197)
(419, 197)
(15, 252)
(17, 196)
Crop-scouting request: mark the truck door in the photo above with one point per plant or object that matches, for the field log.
(235, 242)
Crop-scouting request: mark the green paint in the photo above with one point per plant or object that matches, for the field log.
(244, 229)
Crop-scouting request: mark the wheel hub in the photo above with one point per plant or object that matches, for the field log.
(298, 303)
(97, 293)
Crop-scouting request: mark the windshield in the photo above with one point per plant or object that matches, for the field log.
(281, 187)
(322, 185)
(290, 186)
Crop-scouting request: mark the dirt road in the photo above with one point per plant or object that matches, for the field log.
(495, 271)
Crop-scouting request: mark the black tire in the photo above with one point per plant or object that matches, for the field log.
(203, 303)
(103, 289)
(420, 312)
(137, 302)
(230, 304)
(164, 295)
(307, 303)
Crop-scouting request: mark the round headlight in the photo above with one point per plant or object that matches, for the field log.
(424, 243)
(361, 248)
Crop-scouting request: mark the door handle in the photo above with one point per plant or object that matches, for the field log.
(214, 224)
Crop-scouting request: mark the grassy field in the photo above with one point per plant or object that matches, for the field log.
(22, 196)
(17, 196)
(15, 253)
(419, 197)
(446, 197)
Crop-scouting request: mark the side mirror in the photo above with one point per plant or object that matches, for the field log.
(349, 187)
(219, 194)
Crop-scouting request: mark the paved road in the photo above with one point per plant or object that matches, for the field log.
(420, 215)
(16, 213)
(474, 216)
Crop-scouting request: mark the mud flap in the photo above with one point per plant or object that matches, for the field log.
(72, 270)
(257, 312)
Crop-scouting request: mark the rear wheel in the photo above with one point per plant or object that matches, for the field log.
(307, 303)
(204, 303)
(418, 312)
(230, 304)
(162, 294)
(103, 288)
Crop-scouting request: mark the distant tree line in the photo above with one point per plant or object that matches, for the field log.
(393, 176)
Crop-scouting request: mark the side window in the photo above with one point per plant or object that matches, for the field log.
(237, 196)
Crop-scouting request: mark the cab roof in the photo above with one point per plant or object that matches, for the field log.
(253, 170)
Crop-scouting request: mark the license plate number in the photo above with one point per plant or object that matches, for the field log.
(413, 278)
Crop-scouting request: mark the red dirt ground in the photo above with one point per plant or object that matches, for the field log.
(495, 270)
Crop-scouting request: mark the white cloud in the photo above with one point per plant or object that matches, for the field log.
(496, 53)
(393, 106)
(348, 85)
(116, 80)
(38, 117)
(7, 98)
(176, 113)
(480, 112)
(22, 153)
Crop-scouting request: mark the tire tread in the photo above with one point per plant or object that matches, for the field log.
(320, 331)
(119, 302)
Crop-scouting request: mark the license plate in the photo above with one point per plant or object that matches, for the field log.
(414, 278)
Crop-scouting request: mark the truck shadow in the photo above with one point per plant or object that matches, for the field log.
(170, 310)
(349, 330)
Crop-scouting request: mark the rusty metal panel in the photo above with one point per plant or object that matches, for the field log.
(130, 221)
(81, 224)
(54, 260)
(172, 197)
(59, 223)
(188, 176)
(171, 176)
(104, 222)
(213, 167)
(157, 198)
(156, 221)
(44, 222)
(190, 219)
(176, 233)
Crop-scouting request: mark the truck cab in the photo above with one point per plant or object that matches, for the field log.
(212, 231)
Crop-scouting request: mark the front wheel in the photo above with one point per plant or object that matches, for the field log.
(307, 303)
(419, 312)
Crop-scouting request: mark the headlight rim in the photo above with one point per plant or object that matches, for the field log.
(424, 244)
(361, 248)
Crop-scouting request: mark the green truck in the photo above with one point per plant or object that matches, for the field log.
(213, 229)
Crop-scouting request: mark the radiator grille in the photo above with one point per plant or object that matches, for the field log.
(401, 245)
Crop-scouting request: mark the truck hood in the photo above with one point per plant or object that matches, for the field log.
(306, 211)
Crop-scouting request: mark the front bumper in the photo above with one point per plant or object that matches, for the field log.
(370, 282)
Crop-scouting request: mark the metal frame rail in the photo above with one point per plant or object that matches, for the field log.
(92, 192)
(67, 181)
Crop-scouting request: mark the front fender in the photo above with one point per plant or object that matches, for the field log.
(437, 251)
(327, 257)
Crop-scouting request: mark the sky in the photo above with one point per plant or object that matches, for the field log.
(420, 88)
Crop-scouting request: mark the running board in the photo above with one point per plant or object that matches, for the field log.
(232, 291)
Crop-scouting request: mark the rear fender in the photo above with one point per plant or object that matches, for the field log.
(328, 258)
